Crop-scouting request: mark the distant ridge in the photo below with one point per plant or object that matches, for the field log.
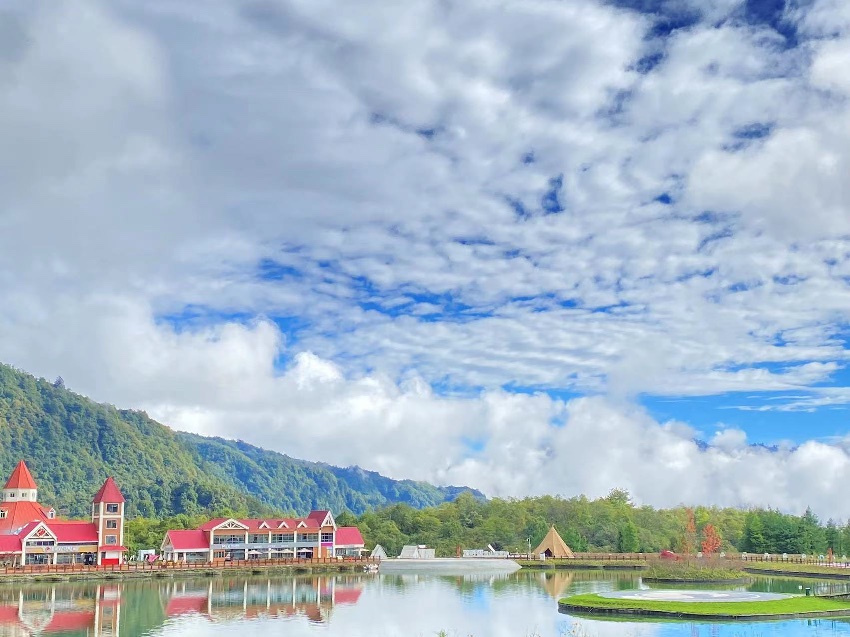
(72, 444)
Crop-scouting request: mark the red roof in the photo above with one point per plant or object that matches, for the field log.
(70, 532)
(21, 513)
(21, 478)
(10, 543)
(318, 516)
(109, 492)
(189, 540)
(348, 536)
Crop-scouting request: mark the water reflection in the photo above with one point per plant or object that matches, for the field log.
(517, 605)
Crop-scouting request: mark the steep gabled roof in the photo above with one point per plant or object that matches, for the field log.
(109, 492)
(21, 478)
(19, 514)
(554, 544)
(321, 516)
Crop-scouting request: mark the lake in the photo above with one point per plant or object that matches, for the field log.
(522, 604)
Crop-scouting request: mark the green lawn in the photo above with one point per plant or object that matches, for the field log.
(815, 569)
(792, 605)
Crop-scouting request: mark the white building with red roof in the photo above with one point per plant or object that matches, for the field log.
(222, 539)
(30, 533)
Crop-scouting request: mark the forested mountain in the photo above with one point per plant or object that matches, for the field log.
(268, 474)
(72, 444)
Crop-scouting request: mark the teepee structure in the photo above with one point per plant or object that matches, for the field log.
(553, 546)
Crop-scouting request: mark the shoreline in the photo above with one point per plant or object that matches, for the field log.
(179, 571)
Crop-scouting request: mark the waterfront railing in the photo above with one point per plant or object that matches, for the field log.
(160, 565)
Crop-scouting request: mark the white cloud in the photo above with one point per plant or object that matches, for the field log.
(394, 164)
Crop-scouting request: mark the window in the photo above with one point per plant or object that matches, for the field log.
(51, 514)
(308, 537)
(258, 538)
(112, 539)
(112, 524)
(112, 508)
(11, 495)
(327, 537)
(228, 539)
(283, 537)
(3, 513)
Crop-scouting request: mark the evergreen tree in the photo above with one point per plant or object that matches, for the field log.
(627, 538)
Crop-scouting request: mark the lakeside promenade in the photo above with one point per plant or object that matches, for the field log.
(160, 569)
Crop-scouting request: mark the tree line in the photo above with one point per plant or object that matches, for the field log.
(609, 524)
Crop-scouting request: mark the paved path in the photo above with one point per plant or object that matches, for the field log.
(694, 596)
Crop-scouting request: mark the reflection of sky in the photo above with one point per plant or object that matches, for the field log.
(517, 606)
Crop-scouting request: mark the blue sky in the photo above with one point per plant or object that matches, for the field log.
(483, 234)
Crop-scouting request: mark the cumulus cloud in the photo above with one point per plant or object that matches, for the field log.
(477, 235)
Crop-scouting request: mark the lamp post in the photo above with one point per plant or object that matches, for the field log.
(528, 541)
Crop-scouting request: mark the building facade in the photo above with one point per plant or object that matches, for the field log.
(223, 539)
(30, 533)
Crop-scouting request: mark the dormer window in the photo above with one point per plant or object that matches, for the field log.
(51, 514)
(3, 513)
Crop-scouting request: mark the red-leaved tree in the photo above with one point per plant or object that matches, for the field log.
(710, 540)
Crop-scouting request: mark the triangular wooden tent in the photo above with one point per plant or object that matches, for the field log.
(378, 552)
(553, 546)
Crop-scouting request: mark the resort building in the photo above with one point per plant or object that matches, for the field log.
(223, 539)
(30, 533)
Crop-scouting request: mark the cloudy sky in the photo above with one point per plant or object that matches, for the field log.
(532, 246)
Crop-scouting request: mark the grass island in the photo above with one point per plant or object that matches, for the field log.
(704, 605)
(693, 573)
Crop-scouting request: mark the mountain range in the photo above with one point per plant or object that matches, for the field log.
(72, 444)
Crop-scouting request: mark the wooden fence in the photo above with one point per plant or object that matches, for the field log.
(138, 567)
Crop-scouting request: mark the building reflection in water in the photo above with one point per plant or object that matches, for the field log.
(89, 610)
(97, 610)
(226, 599)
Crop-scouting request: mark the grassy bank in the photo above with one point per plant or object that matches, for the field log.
(789, 568)
(697, 571)
(583, 564)
(791, 607)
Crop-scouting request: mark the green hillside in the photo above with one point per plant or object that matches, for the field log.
(72, 444)
(282, 481)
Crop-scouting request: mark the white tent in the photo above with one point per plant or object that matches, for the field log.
(378, 552)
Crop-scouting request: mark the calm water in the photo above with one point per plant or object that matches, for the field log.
(519, 605)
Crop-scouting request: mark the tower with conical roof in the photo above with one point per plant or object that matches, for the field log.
(20, 487)
(108, 515)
